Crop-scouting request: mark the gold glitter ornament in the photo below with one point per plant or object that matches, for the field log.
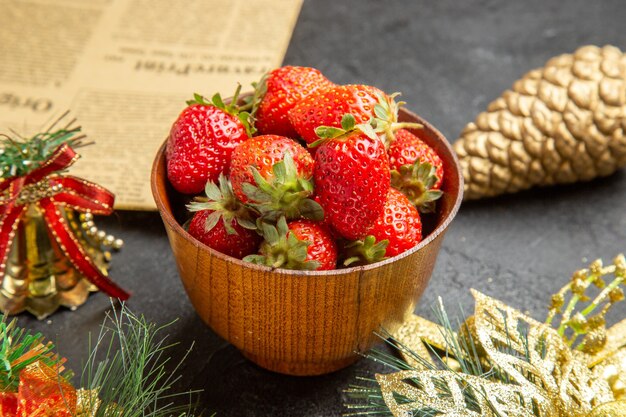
(554, 381)
(507, 364)
(87, 403)
(612, 409)
(417, 333)
(447, 392)
(563, 123)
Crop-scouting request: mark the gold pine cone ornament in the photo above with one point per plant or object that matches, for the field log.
(560, 124)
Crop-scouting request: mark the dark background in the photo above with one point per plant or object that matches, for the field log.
(449, 59)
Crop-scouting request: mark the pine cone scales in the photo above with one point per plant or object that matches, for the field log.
(563, 123)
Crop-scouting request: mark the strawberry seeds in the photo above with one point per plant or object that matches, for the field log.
(304, 174)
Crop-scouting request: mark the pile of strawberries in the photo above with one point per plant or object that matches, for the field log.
(304, 173)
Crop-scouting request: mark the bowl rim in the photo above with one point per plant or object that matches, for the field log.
(168, 217)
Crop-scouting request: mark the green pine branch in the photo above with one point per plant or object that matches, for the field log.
(18, 349)
(19, 156)
(133, 379)
(129, 368)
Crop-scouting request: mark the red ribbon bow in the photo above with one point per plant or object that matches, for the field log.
(66, 191)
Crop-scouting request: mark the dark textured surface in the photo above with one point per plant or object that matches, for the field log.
(450, 59)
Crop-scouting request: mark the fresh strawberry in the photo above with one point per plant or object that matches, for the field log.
(272, 173)
(326, 107)
(400, 224)
(201, 142)
(416, 170)
(351, 177)
(300, 244)
(278, 92)
(222, 222)
(322, 248)
(408, 149)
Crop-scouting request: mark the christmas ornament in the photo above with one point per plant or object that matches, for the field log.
(501, 362)
(123, 383)
(559, 124)
(51, 253)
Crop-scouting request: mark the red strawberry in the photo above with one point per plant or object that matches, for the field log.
(326, 107)
(222, 222)
(200, 143)
(416, 169)
(322, 248)
(399, 223)
(408, 149)
(351, 178)
(272, 173)
(301, 244)
(278, 92)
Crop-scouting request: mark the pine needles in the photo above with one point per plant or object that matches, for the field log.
(19, 156)
(18, 349)
(129, 372)
(133, 377)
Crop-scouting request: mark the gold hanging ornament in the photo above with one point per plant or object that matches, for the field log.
(39, 277)
(503, 363)
(563, 123)
(51, 252)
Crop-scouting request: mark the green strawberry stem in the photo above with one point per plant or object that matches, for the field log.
(225, 206)
(286, 194)
(233, 108)
(281, 248)
(407, 125)
(348, 127)
(260, 88)
(364, 251)
(385, 122)
(382, 126)
(416, 181)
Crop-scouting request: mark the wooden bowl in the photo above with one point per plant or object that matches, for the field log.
(305, 322)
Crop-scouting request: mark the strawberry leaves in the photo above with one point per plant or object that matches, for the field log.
(416, 182)
(281, 248)
(284, 194)
(385, 122)
(348, 126)
(364, 251)
(233, 108)
(223, 204)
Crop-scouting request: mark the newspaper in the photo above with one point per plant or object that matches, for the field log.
(124, 68)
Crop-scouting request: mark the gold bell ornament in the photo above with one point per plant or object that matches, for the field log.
(51, 252)
(563, 123)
